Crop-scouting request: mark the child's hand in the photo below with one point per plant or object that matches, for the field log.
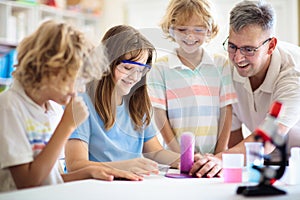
(76, 111)
(109, 174)
(142, 166)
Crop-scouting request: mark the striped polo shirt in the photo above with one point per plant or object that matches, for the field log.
(193, 98)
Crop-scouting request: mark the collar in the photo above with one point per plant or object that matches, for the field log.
(175, 62)
(19, 89)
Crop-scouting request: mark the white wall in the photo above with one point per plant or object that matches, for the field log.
(145, 15)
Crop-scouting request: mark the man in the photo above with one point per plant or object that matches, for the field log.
(264, 71)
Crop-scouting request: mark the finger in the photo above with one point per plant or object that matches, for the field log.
(205, 169)
(214, 171)
(139, 171)
(198, 165)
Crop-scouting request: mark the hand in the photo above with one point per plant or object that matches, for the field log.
(140, 166)
(109, 174)
(208, 165)
(76, 111)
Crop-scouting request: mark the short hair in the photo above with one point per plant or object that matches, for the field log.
(258, 13)
(180, 11)
(55, 49)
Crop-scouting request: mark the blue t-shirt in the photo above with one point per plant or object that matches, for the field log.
(121, 142)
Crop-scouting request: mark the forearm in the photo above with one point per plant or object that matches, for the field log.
(224, 129)
(165, 157)
(34, 173)
(166, 131)
(80, 174)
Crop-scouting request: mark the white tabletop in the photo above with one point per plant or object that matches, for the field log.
(152, 187)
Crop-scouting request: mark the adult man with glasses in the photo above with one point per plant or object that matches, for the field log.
(265, 70)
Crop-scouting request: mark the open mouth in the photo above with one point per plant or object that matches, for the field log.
(242, 65)
(190, 43)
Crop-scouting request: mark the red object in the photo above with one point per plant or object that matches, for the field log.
(275, 109)
(51, 3)
(262, 134)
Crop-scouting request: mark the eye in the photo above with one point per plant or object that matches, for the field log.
(127, 68)
(200, 30)
(231, 46)
(248, 49)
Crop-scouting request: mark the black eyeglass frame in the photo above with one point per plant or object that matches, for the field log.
(246, 50)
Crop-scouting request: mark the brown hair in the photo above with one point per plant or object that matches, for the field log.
(120, 42)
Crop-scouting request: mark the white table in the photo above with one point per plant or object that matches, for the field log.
(153, 187)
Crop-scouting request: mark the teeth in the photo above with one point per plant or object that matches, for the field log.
(190, 43)
(243, 65)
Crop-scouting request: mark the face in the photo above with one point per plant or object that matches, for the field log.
(191, 35)
(61, 96)
(129, 72)
(252, 37)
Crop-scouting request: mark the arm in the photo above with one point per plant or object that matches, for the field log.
(34, 173)
(162, 122)
(76, 152)
(235, 137)
(154, 151)
(224, 128)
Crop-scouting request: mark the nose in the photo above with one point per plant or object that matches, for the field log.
(238, 56)
(135, 75)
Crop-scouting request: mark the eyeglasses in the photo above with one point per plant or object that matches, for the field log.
(129, 67)
(197, 30)
(246, 51)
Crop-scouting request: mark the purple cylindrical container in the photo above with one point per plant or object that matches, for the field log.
(187, 152)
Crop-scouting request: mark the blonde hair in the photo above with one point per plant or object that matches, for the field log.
(123, 43)
(55, 51)
(180, 11)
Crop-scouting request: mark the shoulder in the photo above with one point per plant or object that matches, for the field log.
(11, 100)
(220, 59)
(289, 53)
(161, 61)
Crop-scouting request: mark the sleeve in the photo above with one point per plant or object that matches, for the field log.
(287, 91)
(15, 148)
(157, 87)
(150, 131)
(227, 92)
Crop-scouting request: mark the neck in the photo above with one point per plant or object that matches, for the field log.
(191, 60)
(259, 78)
(37, 98)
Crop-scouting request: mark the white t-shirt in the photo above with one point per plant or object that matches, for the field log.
(282, 83)
(24, 131)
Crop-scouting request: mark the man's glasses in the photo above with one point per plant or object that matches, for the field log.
(129, 67)
(246, 51)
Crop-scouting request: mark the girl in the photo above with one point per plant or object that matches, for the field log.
(34, 128)
(190, 89)
(119, 128)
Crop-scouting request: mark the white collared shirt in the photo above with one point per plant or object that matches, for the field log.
(282, 83)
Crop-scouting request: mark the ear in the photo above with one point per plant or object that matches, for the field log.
(272, 45)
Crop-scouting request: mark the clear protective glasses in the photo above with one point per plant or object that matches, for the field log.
(129, 67)
(185, 30)
(246, 50)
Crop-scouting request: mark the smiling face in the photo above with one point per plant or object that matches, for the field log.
(251, 36)
(126, 75)
(190, 35)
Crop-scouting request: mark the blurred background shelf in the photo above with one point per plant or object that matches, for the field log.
(18, 19)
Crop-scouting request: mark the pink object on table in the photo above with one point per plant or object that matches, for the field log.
(232, 167)
(187, 152)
